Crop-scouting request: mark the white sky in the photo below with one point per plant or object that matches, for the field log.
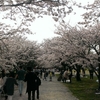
(44, 27)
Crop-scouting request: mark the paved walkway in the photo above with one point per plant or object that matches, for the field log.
(49, 90)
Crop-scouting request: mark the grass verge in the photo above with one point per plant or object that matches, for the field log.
(84, 89)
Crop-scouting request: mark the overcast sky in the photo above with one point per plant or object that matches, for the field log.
(44, 27)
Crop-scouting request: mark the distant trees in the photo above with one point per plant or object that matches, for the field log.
(16, 51)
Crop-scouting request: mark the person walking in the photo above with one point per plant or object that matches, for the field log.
(91, 73)
(3, 73)
(38, 83)
(4, 87)
(9, 85)
(50, 76)
(31, 79)
(70, 75)
(20, 75)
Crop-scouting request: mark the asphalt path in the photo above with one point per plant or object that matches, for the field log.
(49, 90)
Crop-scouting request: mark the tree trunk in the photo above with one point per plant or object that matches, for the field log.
(78, 73)
(99, 72)
(78, 76)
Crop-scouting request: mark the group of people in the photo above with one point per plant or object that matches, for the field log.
(46, 74)
(65, 76)
(31, 78)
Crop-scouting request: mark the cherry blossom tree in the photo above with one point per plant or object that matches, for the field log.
(28, 10)
(75, 47)
(91, 16)
(18, 50)
(82, 46)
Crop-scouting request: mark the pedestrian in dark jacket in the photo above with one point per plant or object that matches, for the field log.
(9, 85)
(30, 78)
(38, 83)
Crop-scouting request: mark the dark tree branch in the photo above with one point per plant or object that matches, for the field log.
(29, 2)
